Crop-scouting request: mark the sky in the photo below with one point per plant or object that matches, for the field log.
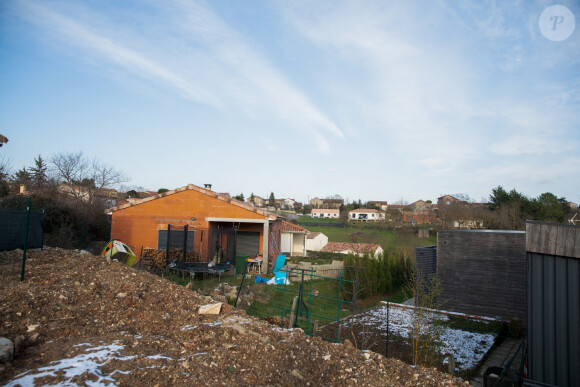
(371, 100)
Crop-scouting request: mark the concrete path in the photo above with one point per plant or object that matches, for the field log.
(499, 356)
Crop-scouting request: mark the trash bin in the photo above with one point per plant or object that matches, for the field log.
(241, 264)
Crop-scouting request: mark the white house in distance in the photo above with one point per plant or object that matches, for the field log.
(315, 241)
(325, 213)
(353, 248)
(366, 215)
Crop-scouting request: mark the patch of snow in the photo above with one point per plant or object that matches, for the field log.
(69, 368)
(484, 319)
(189, 327)
(467, 347)
(156, 357)
(213, 324)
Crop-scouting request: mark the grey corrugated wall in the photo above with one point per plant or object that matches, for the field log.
(553, 304)
(554, 319)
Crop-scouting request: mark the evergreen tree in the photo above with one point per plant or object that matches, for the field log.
(239, 197)
(272, 199)
(38, 172)
(22, 176)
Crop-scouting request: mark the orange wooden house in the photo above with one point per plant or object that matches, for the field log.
(211, 219)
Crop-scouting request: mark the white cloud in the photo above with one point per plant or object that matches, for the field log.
(196, 54)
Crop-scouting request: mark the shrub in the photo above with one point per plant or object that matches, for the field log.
(377, 275)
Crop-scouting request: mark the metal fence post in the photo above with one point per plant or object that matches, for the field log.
(25, 240)
(338, 308)
(387, 341)
(167, 247)
(309, 302)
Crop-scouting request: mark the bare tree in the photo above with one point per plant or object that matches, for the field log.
(84, 178)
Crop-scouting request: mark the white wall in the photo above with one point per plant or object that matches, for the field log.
(317, 243)
(286, 242)
(298, 244)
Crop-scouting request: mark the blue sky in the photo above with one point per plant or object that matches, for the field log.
(375, 100)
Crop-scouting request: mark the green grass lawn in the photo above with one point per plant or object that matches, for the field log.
(324, 301)
(385, 238)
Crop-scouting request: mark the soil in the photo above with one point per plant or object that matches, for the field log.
(70, 302)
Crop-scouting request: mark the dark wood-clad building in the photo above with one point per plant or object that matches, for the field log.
(483, 272)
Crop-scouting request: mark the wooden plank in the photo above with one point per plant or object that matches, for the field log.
(533, 237)
(570, 242)
(552, 238)
(576, 253)
(529, 232)
(562, 240)
(543, 242)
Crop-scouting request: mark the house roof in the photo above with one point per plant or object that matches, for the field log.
(146, 194)
(366, 211)
(332, 247)
(204, 191)
(291, 227)
(312, 235)
(378, 202)
(332, 210)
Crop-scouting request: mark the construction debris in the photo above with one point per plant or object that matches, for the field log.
(86, 334)
(211, 308)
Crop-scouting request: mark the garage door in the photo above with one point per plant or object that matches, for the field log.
(248, 243)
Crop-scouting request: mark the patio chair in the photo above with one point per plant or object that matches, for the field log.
(279, 275)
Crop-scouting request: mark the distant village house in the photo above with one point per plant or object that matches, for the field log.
(325, 213)
(366, 215)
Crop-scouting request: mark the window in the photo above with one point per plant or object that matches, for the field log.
(176, 240)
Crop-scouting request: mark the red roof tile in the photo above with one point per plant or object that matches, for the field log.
(291, 227)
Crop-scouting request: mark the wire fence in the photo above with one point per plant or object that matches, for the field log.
(317, 311)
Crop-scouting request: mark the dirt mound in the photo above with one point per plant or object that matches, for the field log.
(78, 319)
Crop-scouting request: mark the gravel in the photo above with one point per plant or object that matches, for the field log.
(79, 320)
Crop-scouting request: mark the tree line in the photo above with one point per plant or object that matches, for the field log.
(69, 186)
(506, 210)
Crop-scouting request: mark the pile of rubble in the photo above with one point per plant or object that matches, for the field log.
(77, 320)
(228, 294)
